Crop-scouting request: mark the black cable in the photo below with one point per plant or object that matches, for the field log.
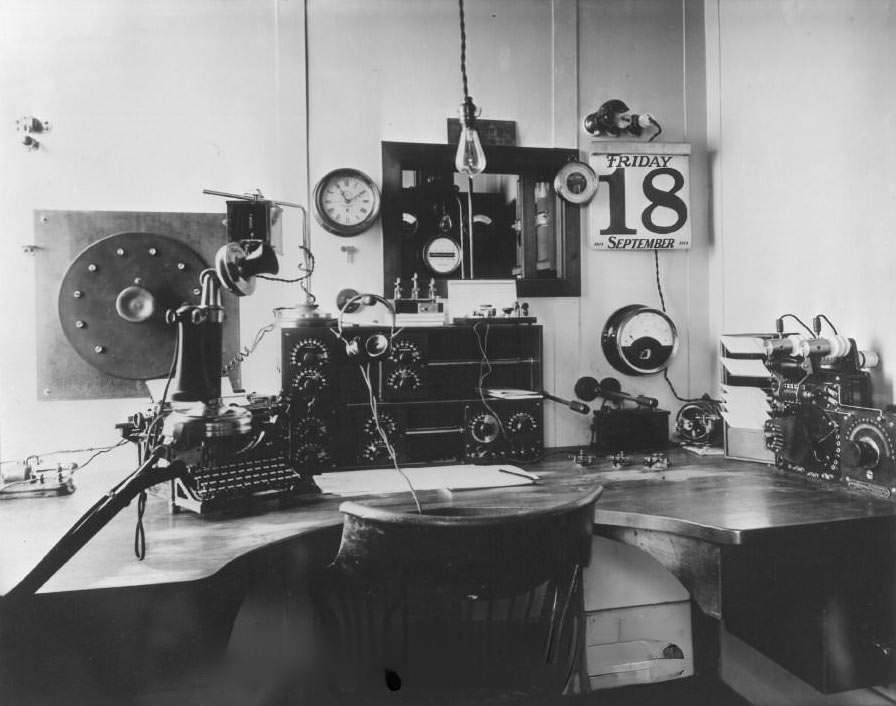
(659, 286)
(463, 51)
(659, 130)
(659, 289)
(799, 321)
(833, 328)
(305, 272)
(139, 531)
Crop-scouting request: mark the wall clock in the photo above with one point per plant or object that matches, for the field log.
(346, 202)
(638, 340)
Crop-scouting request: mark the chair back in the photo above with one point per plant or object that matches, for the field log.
(459, 599)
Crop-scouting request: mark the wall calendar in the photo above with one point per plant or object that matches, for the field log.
(643, 199)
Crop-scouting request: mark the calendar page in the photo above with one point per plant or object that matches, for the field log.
(643, 200)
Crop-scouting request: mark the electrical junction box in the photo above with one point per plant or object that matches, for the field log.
(638, 619)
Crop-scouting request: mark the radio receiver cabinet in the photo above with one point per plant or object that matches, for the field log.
(426, 390)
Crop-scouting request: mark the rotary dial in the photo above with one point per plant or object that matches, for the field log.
(522, 423)
(310, 429)
(868, 444)
(485, 428)
(405, 352)
(387, 424)
(404, 379)
(311, 456)
(373, 452)
(310, 353)
(309, 382)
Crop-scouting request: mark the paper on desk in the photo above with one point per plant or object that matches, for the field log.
(385, 480)
(743, 345)
(744, 407)
(746, 368)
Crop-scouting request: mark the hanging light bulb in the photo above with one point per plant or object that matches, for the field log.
(470, 157)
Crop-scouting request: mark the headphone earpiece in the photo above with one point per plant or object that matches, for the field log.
(376, 345)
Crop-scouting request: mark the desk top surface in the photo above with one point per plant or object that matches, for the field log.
(708, 498)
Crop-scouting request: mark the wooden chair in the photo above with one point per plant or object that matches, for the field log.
(457, 605)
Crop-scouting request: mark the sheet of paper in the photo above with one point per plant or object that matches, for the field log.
(743, 345)
(747, 368)
(744, 407)
(386, 480)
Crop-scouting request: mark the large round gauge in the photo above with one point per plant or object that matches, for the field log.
(346, 202)
(638, 340)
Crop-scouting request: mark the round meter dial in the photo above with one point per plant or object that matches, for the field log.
(638, 340)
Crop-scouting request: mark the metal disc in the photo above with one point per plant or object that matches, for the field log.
(113, 299)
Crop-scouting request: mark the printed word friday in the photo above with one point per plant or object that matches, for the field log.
(637, 160)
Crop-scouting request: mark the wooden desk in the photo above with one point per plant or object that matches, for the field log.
(712, 522)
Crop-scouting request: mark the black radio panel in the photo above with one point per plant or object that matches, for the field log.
(426, 387)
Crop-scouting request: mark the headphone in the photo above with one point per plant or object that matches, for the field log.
(376, 345)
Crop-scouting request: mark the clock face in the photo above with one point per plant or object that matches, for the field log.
(346, 201)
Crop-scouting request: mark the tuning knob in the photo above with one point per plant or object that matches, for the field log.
(387, 424)
(405, 353)
(373, 452)
(310, 353)
(860, 453)
(309, 382)
(404, 379)
(485, 428)
(522, 423)
(310, 430)
(311, 456)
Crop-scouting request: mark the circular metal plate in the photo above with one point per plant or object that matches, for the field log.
(166, 269)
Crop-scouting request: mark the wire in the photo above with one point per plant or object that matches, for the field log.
(139, 530)
(833, 328)
(100, 453)
(100, 449)
(659, 286)
(463, 50)
(244, 354)
(305, 272)
(485, 369)
(659, 129)
(798, 320)
(659, 289)
(365, 374)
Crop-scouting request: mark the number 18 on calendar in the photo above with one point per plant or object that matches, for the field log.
(643, 199)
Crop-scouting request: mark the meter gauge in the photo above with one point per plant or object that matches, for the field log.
(638, 340)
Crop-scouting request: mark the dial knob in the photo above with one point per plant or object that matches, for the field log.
(374, 451)
(310, 353)
(485, 428)
(310, 429)
(522, 423)
(403, 379)
(387, 424)
(310, 456)
(860, 453)
(309, 382)
(406, 353)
